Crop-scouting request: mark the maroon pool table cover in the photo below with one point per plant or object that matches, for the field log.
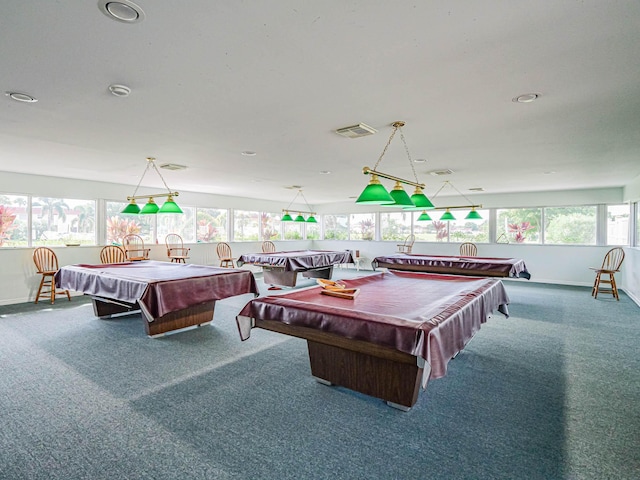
(427, 315)
(161, 287)
(480, 266)
(298, 260)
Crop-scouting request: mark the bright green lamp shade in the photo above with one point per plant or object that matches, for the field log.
(150, 208)
(170, 206)
(299, 218)
(311, 219)
(286, 217)
(473, 215)
(400, 197)
(419, 199)
(375, 193)
(447, 216)
(424, 217)
(131, 209)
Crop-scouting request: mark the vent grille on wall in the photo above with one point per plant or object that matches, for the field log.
(355, 131)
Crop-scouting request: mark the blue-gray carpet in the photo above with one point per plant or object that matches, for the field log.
(550, 393)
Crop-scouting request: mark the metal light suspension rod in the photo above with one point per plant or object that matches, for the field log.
(286, 210)
(138, 197)
(370, 171)
(458, 207)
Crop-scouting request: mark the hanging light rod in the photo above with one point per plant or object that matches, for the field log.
(285, 210)
(458, 207)
(370, 171)
(138, 197)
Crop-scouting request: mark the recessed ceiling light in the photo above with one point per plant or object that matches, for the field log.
(325, 172)
(21, 97)
(121, 10)
(420, 160)
(526, 98)
(120, 90)
(249, 153)
(550, 172)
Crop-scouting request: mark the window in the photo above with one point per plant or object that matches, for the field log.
(395, 226)
(270, 226)
(362, 226)
(14, 221)
(211, 225)
(57, 221)
(336, 227)
(570, 225)
(519, 225)
(183, 224)
(119, 225)
(430, 230)
(618, 224)
(462, 230)
(313, 230)
(293, 230)
(245, 226)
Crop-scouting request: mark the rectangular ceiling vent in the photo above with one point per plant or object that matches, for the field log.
(476, 189)
(438, 173)
(355, 131)
(173, 166)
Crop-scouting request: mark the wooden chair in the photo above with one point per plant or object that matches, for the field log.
(176, 250)
(268, 247)
(610, 265)
(47, 264)
(134, 248)
(112, 254)
(407, 245)
(468, 249)
(224, 254)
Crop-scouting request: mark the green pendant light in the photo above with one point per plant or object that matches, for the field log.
(299, 218)
(132, 208)
(424, 217)
(150, 208)
(400, 197)
(311, 219)
(447, 216)
(375, 193)
(286, 217)
(419, 199)
(473, 215)
(170, 206)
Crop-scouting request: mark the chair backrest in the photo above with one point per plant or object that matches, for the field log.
(468, 249)
(45, 260)
(409, 241)
(223, 250)
(134, 246)
(613, 259)
(268, 247)
(173, 240)
(112, 254)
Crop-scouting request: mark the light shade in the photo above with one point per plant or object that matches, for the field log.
(424, 217)
(473, 215)
(400, 197)
(170, 206)
(419, 199)
(311, 219)
(299, 218)
(375, 193)
(286, 217)
(447, 216)
(131, 209)
(150, 208)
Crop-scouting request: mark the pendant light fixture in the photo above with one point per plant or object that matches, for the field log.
(447, 215)
(375, 193)
(299, 218)
(151, 207)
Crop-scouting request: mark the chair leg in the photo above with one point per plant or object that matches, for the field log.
(53, 291)
(596, 285)
(614, 287)
(40, 289)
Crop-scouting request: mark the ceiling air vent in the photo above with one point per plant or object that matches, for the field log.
(355, 131)
(438, 173)
(173, 166)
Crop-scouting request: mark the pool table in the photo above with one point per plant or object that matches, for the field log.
(397, 333)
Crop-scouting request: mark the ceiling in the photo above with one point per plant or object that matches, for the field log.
(210, 80)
